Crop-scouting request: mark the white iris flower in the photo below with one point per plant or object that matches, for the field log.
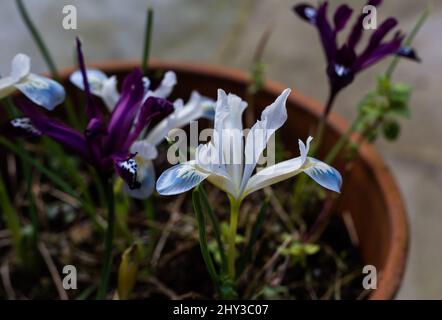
(229, 161)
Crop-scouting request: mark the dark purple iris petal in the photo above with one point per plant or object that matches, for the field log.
(306, 12)
(152, 108)
(123, 116)
(346, 56)
(92, 110)
(409, 53)
(94, 128)
(376, 50)
(381, 51)
(342, 15)
(380, 33)
(375, 3)
(127, 169)
(20, 128)
(326, 33)
(69, 137)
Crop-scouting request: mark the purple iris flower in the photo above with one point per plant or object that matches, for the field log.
(105, 143)
(343, 61)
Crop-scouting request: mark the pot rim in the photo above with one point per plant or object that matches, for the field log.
(394, 269)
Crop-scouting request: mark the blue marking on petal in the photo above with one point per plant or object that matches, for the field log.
(306, 12)
(147, 185)
(24, 124)
(325, 175)
(128, 171)
(341, 71)
(408, 52)
(42, 91)
(209, 110)
(179, 179)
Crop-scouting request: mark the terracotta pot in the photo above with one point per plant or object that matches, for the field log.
(375, 203)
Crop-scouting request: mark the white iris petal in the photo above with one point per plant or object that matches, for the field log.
(42, 91)
(100, 85)
(197, 107)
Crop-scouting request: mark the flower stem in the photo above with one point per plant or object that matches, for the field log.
(320, 130)
(107, 265)
(343, 140)
(233, 229)
(420, 22)
(147, 40)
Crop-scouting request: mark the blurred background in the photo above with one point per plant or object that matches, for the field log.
(226, 32)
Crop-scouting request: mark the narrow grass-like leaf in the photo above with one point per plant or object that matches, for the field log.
(196, 199)
(216, 226)
(242, 263)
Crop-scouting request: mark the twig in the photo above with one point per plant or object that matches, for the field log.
(363, 294)
(174, 217)
(276, 277)
(351, 228)
(276, 255)
(4, 271)
(343, 281)
(321, 221)
(190, 295)
(53, 271)
(162, 288)
(279, 209)
(64, 197)
(164, 260)
(268, 264)
(309, 286)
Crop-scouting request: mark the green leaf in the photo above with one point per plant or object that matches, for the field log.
(399, 100)
(384, 85)
(273, 292)
(391, 130)
(373, 105)
(202, 235)
(128, 270)
(311, 248)
(216, 226)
